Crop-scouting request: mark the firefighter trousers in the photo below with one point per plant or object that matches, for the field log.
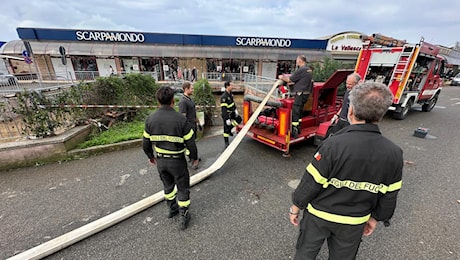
(174, 172)
(342, 240)
(297, 108)
(228, 128)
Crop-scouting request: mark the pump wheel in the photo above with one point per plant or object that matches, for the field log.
(427, 107)
(405, 111)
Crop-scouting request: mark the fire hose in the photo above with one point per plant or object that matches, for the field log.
(98, 225)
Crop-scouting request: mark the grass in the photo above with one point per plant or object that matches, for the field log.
(117, 133)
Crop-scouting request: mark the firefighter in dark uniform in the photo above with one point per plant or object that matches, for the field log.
(302, 79)
(351, 183)
(229, 112)
(171, 135)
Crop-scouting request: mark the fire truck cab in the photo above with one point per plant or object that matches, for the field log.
(411, 71)
(273, 124)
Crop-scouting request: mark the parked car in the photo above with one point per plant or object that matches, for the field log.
(455, 80)
(8, 80)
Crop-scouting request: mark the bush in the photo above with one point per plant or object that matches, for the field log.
(43, 114)
(324, 69)
(204, 99)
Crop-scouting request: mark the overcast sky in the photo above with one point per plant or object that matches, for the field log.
(437, 21)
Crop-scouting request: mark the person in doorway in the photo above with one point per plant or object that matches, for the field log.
(111, 70)
(302, 86)
(340, 120)
(229, 112)
(352, 181)
(188, 109)
(170, 134)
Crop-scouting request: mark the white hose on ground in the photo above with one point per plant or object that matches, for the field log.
(96, 226)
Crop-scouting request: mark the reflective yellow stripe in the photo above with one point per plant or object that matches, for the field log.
(395, 186)
(295, 123)
(317, 176)
(338, 218)
(146, 135)
(227, 105)
(189, 135)
(183, 203)
(226, 135)
(167, 138)
(164, 151)
(172, 195)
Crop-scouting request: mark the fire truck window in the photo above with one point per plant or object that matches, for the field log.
(436, 68)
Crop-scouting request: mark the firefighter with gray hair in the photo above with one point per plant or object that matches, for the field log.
(352, 181)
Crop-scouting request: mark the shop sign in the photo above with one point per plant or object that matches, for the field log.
(263, 42)
(345, 42)
(110, 36)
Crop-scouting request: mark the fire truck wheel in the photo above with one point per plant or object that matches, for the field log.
(427, 107)
(404, 111)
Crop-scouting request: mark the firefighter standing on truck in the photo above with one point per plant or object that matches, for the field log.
(229, 112)
(352, 181)
(302, 79)
(171, 135)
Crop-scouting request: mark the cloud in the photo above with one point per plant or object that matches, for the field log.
(437, 21)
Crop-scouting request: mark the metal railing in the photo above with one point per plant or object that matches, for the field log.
(222, 76)
(31, 81)
(258, 85)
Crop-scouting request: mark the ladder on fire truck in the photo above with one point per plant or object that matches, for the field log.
(402, 69)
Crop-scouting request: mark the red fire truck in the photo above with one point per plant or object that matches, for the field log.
(272, 126)
(411, 71)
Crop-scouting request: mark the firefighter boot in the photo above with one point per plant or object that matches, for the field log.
(185, 215)
(295, 132)
(226, 142)
(173, 208)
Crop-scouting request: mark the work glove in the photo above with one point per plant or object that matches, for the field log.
(334, 119)
(236, 112)
(228, 122)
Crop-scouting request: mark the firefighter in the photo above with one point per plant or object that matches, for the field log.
(171, 135)
(188, 109)
(351, 183)
(340, 120)
(229, 111)
(302, 79)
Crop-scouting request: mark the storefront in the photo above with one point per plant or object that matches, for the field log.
(165, 56)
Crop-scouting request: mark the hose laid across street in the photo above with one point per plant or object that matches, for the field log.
(96, 226)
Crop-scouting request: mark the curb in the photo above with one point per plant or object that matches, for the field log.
(60, 148)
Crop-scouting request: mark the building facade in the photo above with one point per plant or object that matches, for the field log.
(60, 53)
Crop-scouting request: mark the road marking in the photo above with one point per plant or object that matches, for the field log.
(294, 183)
(123, 179)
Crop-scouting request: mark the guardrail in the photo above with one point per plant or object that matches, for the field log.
(260, 86)
(32, 81)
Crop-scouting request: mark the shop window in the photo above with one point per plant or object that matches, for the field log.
(85, 68)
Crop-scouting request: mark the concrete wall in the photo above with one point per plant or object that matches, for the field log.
(30, 152)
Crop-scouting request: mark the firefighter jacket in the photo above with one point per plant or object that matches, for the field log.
(354, 175)
(302, 79)
(228, 106)
(170, 133)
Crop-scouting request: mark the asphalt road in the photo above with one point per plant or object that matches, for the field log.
(241, 211)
